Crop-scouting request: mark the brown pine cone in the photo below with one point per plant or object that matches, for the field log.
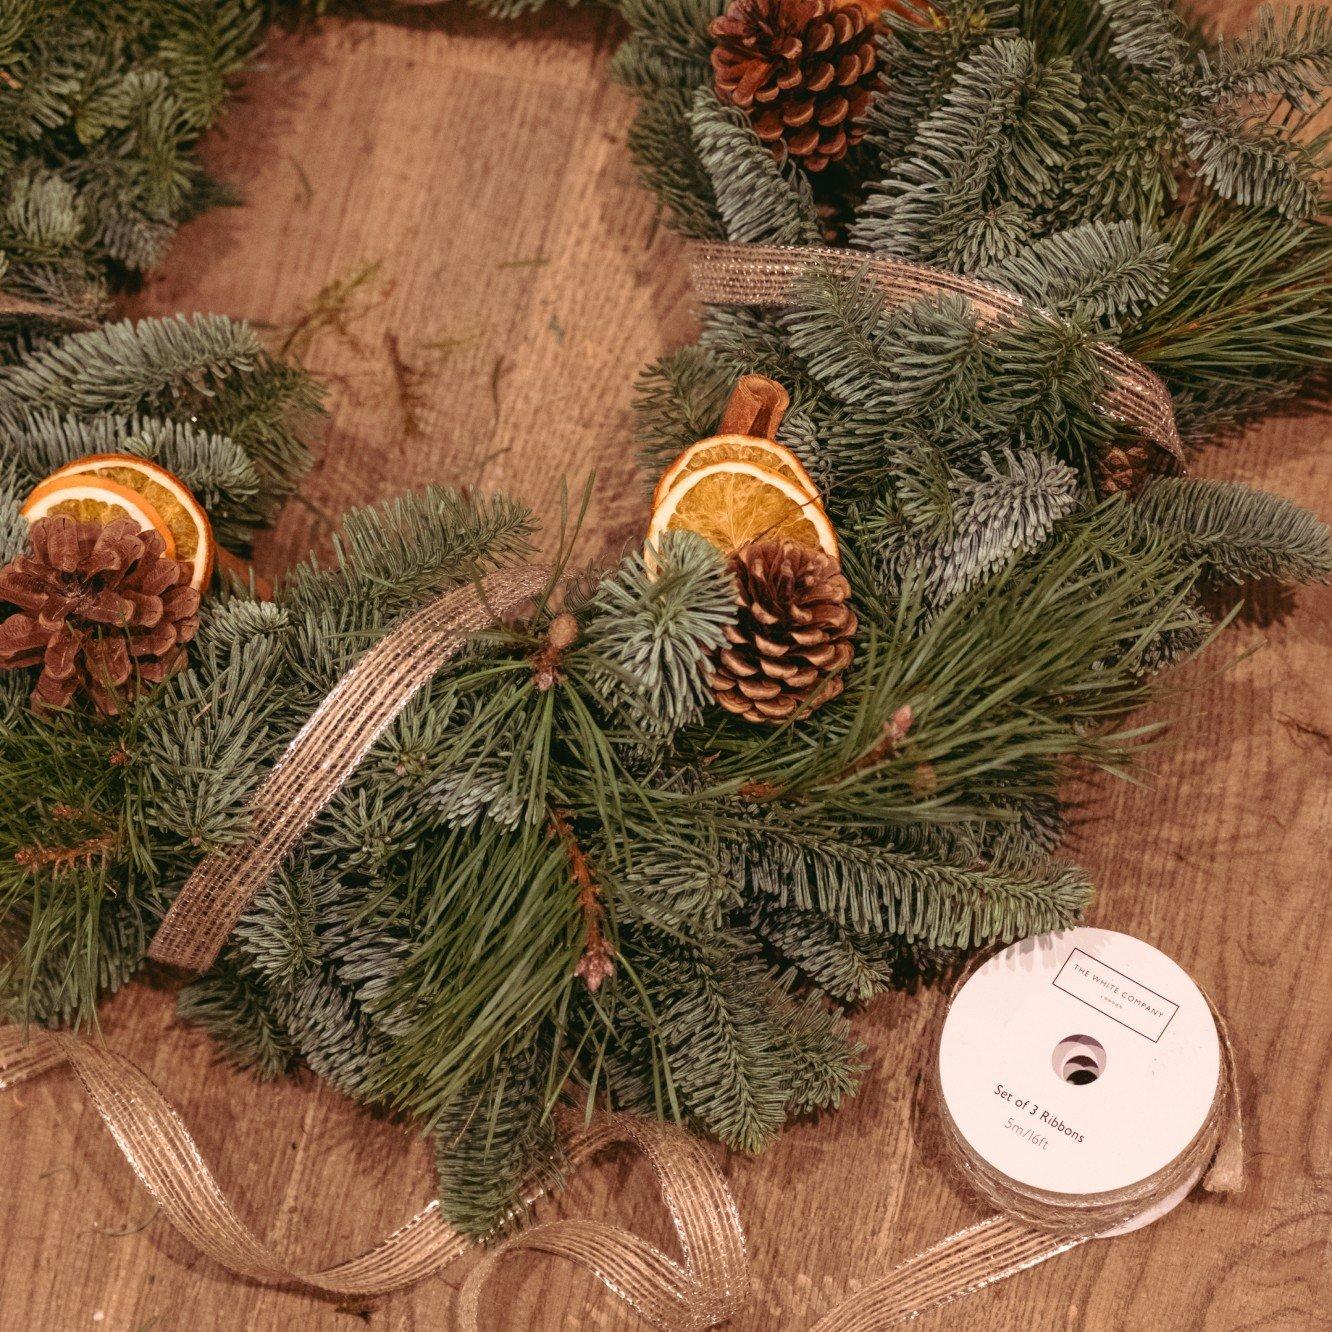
(803, 70)
(792, 639)
(1127, 464)
(102, 610)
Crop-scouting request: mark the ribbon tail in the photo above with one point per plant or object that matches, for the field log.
(168, 1163)
(966, 1262)
(710, 1286)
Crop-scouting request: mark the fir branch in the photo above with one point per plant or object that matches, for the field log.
(680, 401)
(759, 201)
(237, 1014)
(496, 1141)
(1148, 36)
(825, 1062)
(869, 888)
(850, 966)
(127, 367)
(393, 554)
(1286, 55)
(717, 1037)
(1010, 510)
(1246, 159)
(980, 162)
(654, 632)
(1237, 532)
(675, 174)
(921, 59)
(670, 42)
(1100, 272)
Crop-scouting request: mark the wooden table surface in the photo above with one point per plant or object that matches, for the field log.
(519, 279)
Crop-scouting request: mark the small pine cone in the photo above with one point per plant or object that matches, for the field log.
(1127, 464)
(101, 609)
(803, 70)
(792, 639)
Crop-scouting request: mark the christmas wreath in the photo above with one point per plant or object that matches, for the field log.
(650, 842)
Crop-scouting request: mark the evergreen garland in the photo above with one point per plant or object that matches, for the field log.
(422, 950)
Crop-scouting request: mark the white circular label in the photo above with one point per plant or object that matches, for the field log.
(1079, 1062)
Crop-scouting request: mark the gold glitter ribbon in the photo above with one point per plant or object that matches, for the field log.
(712, 1283)
(770, 275)
(20, 307)
(709, 1286)
(328, 749)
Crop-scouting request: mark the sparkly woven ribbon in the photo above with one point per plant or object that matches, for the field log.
(708, 1287)
(20, 307)
(770, 275)
(712, 1283)
(328, 749)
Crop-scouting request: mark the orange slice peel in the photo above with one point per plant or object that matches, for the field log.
(765, 453)
(730, 503)
(106, 486)
(96, 501)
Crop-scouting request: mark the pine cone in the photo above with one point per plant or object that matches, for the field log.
(1126, 465)
(802, 69)
(792, 639)
(101, 609)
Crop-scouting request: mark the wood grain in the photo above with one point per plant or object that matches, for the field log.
(523, 279)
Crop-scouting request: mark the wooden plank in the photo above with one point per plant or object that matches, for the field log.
(518, 303)
(482, 165)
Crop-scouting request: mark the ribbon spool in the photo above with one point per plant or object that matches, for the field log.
(1081, 1081)
(1085, 1084)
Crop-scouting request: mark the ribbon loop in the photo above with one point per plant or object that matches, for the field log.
(710, 1286)
(713, 1284)
(770, 275)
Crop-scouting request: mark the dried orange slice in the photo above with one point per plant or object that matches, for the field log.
(95, 501)
(172, 509)
(765, 453)
(733, 502)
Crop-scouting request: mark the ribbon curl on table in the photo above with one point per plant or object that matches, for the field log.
(770, 275)
(712, 1284)
(707, 1288)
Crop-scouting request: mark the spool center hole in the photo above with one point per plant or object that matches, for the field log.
(1079, 1059)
